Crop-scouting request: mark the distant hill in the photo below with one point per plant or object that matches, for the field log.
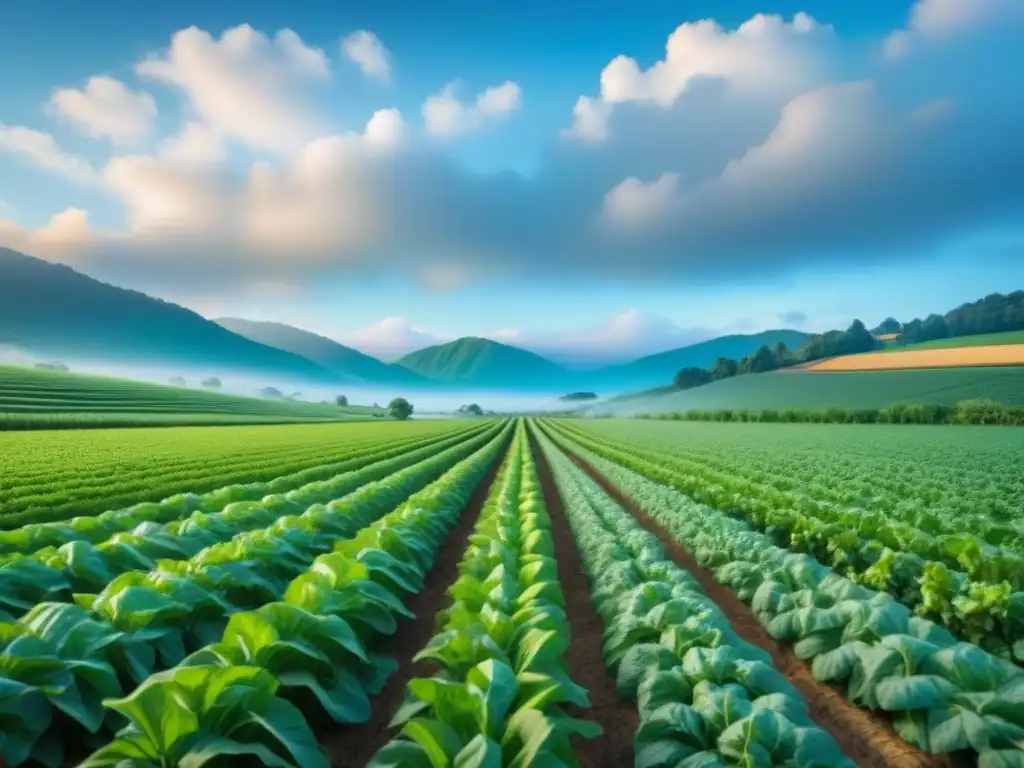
(52, 310)
(348, 364)
(658, 370)
(476, 362)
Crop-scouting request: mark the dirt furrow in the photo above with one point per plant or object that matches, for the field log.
(585, 662)
(865, 736)
(353, 746)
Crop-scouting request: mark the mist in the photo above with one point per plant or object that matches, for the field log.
(427, 401)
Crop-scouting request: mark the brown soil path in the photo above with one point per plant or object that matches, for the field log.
(586, 665)
(353, 746)
(865, 736)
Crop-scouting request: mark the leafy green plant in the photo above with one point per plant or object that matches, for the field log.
(705, 696)
(195, 714)
(499, 694)
(944, 695)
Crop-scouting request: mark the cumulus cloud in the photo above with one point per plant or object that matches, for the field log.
(445, 115)
(765, 57)
(244, 85)
(391, 338)
(744, 154)
(633, 204)
(106, 108)
(40, 149)
(366, 51)
(66, 234)
(938, 20)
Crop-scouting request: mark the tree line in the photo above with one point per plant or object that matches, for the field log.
(996, 313)
(818, 346)
(965, 412)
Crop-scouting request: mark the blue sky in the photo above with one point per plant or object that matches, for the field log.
(841, 160)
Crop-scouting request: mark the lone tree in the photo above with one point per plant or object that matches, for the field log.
(472, 409)
(400, 409)
(341, 400)
(211, 383)
(271, 393)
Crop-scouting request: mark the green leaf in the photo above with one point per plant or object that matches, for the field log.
(400, 754)
(665, 753)
(438, 740)
(344, 700)
(677, 722)
(665, 687)
(642, 660)
(284, 724)
(898, 694)
(480, 752)
(213, 748)
(499, 687)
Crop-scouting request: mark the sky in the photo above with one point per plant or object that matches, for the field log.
(584, 180)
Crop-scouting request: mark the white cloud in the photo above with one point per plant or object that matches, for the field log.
(244, 85)
(41, 149)
(106, 108)
(385, 128)
(66, 234)
(633, 204)
(365, 50)
(938, 20)
(391, 338)
(755, 151)
(764, 58)
(445, 115)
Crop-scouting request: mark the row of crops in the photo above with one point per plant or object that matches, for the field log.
(950, 681)
(253, 623)
(30, 391)
(184, 656)
(55, 475)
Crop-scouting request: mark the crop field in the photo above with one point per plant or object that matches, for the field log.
(53, 475)
(515, 592)
(38, 399)
(937, 357)
(854, 389)
(981, 339)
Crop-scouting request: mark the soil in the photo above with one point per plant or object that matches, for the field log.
(865, 736)
(585, 663)
(352, 746)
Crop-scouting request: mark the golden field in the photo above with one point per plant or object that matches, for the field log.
(952, 357)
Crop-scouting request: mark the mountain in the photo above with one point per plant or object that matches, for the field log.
(348, 364)
(658, 370)
(52, 310)
(476, 362)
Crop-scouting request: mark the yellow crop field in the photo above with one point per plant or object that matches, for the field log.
(952, 357)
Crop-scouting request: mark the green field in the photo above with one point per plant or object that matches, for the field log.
(55, 474)
(584, 593)
(34, 399)
(981, 340)
(821, 390)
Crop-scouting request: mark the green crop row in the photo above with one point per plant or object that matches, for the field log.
(961, 479)
(281, 493)
(974, 588)
(305, 656)
(705, 696)
(57, 573)
(61, 661)
(101, 469)
(497, 698)
(944, 696)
